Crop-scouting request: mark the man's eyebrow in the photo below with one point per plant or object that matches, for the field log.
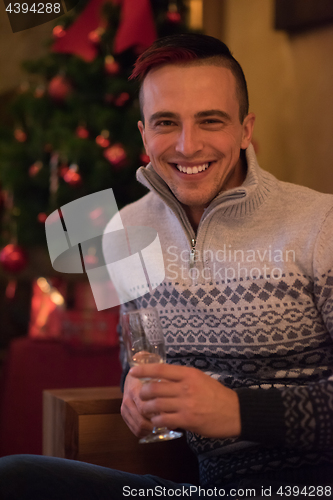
(213, 112)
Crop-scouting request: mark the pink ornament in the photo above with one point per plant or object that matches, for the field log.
(122, 99)
(35, 168)
(72, 176)
(95, 35)
(59, 88)
(13, 258)
(82, 132)
(41, 217)
(111, 66)
(20, 135)
(116, 155)
(58, 31)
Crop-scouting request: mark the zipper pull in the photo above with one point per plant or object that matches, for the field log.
(192, 253)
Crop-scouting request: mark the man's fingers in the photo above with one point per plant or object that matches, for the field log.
(162, 389)
(138, 423)
(158, 371)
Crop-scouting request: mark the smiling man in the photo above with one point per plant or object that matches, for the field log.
(246, 304)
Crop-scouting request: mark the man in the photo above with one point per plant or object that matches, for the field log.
(246, 303)
(253, 310)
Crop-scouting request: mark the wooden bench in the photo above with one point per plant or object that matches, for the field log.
(86, 425)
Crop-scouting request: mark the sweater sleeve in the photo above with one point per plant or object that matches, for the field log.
(298, 417)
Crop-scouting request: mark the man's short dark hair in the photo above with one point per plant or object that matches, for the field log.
(186, 49)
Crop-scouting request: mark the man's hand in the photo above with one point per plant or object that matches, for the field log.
(131, 408)
(187, 398)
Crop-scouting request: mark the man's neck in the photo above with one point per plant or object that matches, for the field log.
(194, 213)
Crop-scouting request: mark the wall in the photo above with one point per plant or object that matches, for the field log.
(17, 47)
(290, 81)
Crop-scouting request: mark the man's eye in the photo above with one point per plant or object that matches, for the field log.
(164, 123)
(213, 121)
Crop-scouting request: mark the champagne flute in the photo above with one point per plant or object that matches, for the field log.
(144, 343)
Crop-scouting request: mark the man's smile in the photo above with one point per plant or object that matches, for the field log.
(192, 169)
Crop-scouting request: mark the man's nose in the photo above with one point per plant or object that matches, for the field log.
(189, 141)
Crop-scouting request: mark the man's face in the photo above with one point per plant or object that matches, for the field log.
(192, 125)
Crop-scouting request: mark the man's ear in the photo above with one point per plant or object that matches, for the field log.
(141, 128)
(248, 126)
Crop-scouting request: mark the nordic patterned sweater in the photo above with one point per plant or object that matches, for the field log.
(249, 300)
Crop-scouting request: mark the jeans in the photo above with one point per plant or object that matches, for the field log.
(34, 477)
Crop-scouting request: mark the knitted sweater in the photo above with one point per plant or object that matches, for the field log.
(249, 300)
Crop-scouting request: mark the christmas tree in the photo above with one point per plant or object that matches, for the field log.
(75, 128)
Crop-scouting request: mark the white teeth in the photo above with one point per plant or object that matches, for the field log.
(193, 170)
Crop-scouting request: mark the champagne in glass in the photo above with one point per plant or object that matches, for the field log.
(144, 342)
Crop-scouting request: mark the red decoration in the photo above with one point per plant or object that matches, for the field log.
(122, 99)
(13, 258)
(58, 32)
(116, 155)
(72, 176)
(20, 135)
(59, 88)
(111, 66)
(95, 35)
(144, 158)
(173, 15)
(41, 217)
(136, 29)
(82, 132)
(35, 168)
(103, 139)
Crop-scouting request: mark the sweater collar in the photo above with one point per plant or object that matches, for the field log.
(237, 201)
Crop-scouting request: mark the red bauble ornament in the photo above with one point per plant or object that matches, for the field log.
(13, 258)
(122, 99)
(111, 66)
(58, 31)
(35, 168)
(20, 135)
(72, 176)
(82, 132)
(144, 158)
(95, 35)
(116, 155)
(59, 88)
(103, 139)
(41, 217)
(173, 15)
